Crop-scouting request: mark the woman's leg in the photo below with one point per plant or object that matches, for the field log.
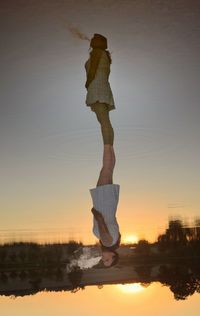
(102, 114)
(113, 156)
(106, 173)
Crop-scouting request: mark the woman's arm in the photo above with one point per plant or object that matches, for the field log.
(105, 236)
(94, 61)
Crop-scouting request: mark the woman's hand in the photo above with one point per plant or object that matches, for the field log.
(96, 213)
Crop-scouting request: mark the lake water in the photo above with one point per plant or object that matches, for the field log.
(138, 289)
(132, 299)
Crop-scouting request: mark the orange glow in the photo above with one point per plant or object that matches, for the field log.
(131, 288)
(128, 239)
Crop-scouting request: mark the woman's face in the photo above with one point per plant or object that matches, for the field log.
(107, 258)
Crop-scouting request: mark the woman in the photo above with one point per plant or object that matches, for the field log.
(105, 198)
(106, 194)
(99, 95)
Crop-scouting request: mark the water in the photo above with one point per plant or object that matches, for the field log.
(142, 289)
(134, 141)
(66, 279)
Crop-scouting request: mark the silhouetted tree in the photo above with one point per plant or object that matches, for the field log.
(75, 277)
(72, 246)
(197, 225)
(143, 247)
(57, 253)
(175, 238)
(3, 254)
(181, 282)
(22, 255)
(13, 257)
(33, 253)
(22, 275)
(59, 274)
(35, 279)
(13, 274)
(143, 271)
(4, 278)
(175, 232)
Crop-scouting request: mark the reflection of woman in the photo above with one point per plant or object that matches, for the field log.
(99, 95)
(106, 194)
(105, 198)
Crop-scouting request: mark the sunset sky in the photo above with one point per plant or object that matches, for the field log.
(51, 145)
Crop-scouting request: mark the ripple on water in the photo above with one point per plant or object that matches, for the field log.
(130, 142)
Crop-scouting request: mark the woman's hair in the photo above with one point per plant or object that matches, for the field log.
(113, 247)
(92, 51)
(115, 260)
(101, 265)
(99, 42)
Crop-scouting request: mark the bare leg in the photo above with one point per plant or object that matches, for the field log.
(108, 157)
(102, 114)
(113, 156)
(106, 173)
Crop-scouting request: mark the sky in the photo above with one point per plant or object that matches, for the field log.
(51, 146)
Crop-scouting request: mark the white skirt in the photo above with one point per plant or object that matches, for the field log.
(105, 200)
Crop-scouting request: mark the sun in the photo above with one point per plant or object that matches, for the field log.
(130, 239)
(130, 288)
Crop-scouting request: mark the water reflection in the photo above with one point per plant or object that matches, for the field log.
(182, 279)
(173, 261)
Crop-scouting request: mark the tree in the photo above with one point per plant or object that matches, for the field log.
(143, 247)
